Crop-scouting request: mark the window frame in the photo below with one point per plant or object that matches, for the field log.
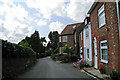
(81, 36)
(101, 12)
(60, 39)
(103, 47)
(64, 38)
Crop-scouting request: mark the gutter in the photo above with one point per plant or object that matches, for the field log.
(118, 18)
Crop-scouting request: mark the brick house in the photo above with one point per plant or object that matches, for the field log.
(105, 32)
(79, 40)
(68, 36)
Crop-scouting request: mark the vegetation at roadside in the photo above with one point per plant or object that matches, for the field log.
(65, 58)
(16, 59)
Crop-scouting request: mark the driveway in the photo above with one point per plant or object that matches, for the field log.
(47, 68)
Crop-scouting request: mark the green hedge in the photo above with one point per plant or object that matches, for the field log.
(14, 50)
(16, 59)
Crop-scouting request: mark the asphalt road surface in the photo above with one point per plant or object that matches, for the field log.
(47, 68)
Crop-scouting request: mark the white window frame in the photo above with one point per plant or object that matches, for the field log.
(88, 53)
(101, 12)
(103, 47)
(64, 38)
(85, 21)
(81, 35)
(60, 39)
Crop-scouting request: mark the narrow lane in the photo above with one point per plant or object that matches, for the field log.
(47, 68)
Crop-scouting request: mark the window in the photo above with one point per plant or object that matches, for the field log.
(60, 39)
(64, 38)
(81, 35)
(103, 49)
(87, 33)
(101, 16)
(74, 26)
(85, 21)
(88, 53)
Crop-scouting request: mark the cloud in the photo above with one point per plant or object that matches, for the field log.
(77, 10)
(41, 22)
(48, 7)
(13, 26)
(74, 9)
(56, 26)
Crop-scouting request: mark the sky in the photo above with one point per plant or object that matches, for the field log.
(20, 18)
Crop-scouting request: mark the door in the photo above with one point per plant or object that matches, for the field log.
(95, 53)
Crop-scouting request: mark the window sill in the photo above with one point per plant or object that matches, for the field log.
(104, 61)
(101, 26)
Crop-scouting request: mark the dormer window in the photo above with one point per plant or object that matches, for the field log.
(85, 21)
(74, 26)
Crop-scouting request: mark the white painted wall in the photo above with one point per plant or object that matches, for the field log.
(87, 43)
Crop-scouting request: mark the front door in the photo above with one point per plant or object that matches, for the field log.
(95, 53)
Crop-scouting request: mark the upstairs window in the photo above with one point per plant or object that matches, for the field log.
(101, 16)
(64, 38)
(85, 21)
(74, 26)
(81, 35)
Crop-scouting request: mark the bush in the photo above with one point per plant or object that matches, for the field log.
(54, 56)
(74, 57)
(16, 59)
(82, 63)
(10, 50)
(66, 49)
(115, 75)
(61, 57)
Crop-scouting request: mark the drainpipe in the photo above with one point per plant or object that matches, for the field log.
(117, 5)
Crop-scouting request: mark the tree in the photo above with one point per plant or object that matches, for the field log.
(54, 39)
(35, 42)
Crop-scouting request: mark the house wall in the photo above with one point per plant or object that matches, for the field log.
(108, 32)
(70, 42)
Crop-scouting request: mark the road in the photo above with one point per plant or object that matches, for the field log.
(47, 68)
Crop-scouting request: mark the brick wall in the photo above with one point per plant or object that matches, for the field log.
(108, 32)
(70, 41)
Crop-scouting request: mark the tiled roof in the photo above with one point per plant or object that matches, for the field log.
(69, 29)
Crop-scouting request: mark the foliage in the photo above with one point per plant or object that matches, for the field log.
(35, 42)
(54, 39)
(61, 57)
(66, 49)
(25, 44)
(82, 63)
(101, 68)
(16, 59)
(115, 75)
(14, 50)
(74, 57)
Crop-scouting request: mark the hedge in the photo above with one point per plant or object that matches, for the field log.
(16, 59)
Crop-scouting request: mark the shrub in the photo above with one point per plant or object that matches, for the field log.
(13, 50)
(66, 49)
(74, 57)
(101, 68)
(16, 59)
(82, 63)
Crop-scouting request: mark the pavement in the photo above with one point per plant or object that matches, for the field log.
(47, 68)
(96, 73)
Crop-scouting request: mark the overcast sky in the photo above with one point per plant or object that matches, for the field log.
(20, 18)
